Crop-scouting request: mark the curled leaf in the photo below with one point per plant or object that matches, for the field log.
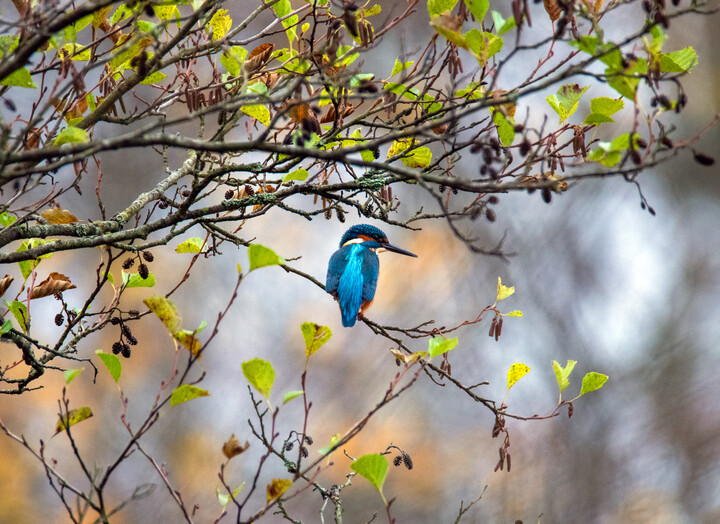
(503, 291)
(233, 448)
(5, 284)
(55, 283)
(277, 487)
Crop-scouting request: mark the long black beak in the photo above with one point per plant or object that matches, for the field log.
(394, 249)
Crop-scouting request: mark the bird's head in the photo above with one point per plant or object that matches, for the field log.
(371, 238)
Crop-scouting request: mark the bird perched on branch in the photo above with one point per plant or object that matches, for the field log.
(353, 270)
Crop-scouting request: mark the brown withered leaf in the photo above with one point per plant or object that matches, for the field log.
(32, 139)
(298, 112)
(5, 283)
(55, 283)
(59, 216)
(258, 57)
(553, 9)
(345, 110)
(233, 448)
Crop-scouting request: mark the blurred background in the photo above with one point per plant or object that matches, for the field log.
(600, 281)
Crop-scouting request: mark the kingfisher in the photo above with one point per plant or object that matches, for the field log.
(353, 270)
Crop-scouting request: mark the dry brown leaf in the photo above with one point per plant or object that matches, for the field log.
(59, 216)
(55, 283)
(258, 57)
(5, 283)
(233, 448)
(553, 9)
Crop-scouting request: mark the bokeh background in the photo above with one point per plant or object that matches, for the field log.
(600, 281)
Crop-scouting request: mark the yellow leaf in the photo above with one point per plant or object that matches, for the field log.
(516, 372)
(165, 311)
(72, 417)
(277, 487)
(503, 291)
(516, 313)
(219, 24)
(258, 112)
(58, 216)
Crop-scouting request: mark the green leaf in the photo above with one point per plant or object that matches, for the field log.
(135, 280)
(153, 78)
(625, 80)
(284, 8)
(72, 417)
(333, 442)
(315, 336)
(112, 363)
(26, 266)
(515, 373)
(483, 44)
(224, 498)
(565, 101)
(7, 326)
(610, 153)
(90, 99)
(261, 256)
(401, 66)
(592, 381)
(438, 7)
(6, 220)
(287, 397)
(505, 128)
(260, 374)
(298, 174)
(71, 135)
(449, 27)
(605, 105)
(165, 310)
(502, 25)
(418, 157)
(20, 78)
(373, 467)
(439, 345)
(233, 59)
(186, 392)
(70, 374)
(191, 245)
(258, 111)
(20, 312)
(681, 61)
(597, 118)
(562, 374)
(478, 8)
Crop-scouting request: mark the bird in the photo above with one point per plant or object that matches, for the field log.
(353, 270)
